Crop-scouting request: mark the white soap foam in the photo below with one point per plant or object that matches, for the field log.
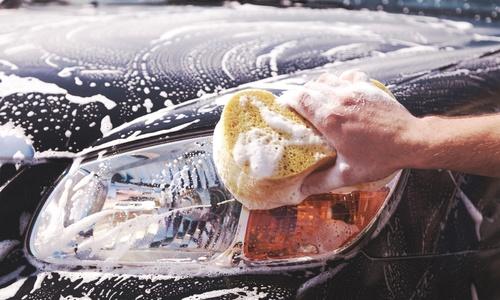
(54, 154)
(11, 290)
(299, 133)
(238, 293)
(275, 53)
(226, 59)
(85, 277)
(18, 155)
(259, 148)
(148, 105)
(8, 64)
(74, 298)
(342, 49)
(78, 81)
(413, 50)
(12, 84)
(106, 125)
(108, 103)
(66, 72)
(16, 145)
(262, 149)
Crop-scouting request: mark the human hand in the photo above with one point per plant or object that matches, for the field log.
(372, 133)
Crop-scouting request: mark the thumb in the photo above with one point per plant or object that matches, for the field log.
(325, 181)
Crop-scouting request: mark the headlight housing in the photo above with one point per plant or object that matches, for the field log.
(165, 204)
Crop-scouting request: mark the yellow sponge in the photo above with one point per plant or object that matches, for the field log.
(263, 150)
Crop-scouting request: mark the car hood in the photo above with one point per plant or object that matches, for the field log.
(70, 75)
(102, 76)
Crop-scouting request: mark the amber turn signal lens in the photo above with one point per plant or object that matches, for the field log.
(319, 225)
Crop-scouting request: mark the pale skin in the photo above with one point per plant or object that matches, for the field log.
(376, 138)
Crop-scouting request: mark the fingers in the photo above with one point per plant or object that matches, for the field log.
(318, 96)
(327, 180)
(306, 105)
(354, 75)
(329, 79)
(325, 118)
(323, 87)
(306, 102)
(323, 181)
(321, 103)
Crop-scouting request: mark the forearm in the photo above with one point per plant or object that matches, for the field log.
(466, 144)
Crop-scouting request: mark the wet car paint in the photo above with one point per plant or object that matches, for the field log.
(85, 74)
(430, 236)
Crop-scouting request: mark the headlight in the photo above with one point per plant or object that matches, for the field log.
(164, 204)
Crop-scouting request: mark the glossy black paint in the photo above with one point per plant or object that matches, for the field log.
(172, 54)
(428, 250)
(19, 198)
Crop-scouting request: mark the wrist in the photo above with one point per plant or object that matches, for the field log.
(424, 143)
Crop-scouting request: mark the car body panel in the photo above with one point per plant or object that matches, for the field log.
(431, 248)
(89, 69)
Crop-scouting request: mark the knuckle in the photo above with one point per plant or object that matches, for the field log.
(305, 99)
(325, 78)
(348, 101)
(330, 121)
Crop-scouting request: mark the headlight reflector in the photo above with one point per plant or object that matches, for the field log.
(160, 203)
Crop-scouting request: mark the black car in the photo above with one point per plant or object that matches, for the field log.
(107, 185)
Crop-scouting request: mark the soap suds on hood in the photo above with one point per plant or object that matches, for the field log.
(54, 154)
(236, 293)
(16, 145)
(12, 84)
(106, 125)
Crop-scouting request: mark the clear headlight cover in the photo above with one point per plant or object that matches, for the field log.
(159, 203)
(165, 203)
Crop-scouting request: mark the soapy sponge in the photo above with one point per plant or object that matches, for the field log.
(264, 150)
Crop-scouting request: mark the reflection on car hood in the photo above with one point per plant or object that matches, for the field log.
(68, 76)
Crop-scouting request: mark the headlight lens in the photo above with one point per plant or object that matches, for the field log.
(160, 203)
(165, 203)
